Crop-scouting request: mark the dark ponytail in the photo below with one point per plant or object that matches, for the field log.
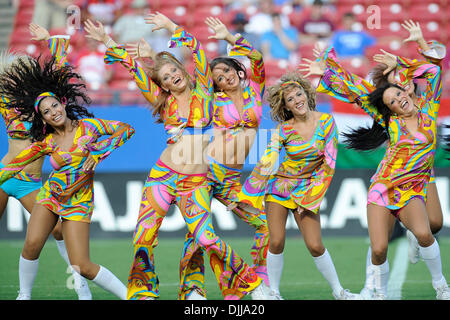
(370, 138)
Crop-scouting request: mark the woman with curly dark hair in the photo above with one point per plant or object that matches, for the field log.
(25, 185)
(399, 186)
(52, 98)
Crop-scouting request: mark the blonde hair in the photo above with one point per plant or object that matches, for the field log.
(161, 59)
(276, 95)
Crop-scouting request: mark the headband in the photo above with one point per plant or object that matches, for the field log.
(45, 95)
(290, 82)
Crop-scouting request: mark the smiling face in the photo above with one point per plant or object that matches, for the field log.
(296, 100)
(53, 112)
(225, 77)
(398, 101)
(172, 78)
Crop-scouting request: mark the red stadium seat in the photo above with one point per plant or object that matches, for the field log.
(426, 12)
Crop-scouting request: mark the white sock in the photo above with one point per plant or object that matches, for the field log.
(326, 267)
(368, 264)
(106, 280)
(380, 277)
(432, 257)
(80, 283)
(27, 273)
(275, 264)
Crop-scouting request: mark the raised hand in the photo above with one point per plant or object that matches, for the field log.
(141, 49)
(388, 59)
(415, 32)
(160, 21)
(312, 68)
(96, 32)
(220, 30)
(39, 33)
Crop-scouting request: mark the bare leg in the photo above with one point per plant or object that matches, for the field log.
(76, 236)
(3, 202)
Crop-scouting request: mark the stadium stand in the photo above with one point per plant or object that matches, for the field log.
(433, 16)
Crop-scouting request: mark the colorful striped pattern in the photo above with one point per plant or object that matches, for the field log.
(406, 167)
(68, 191)
(303, 177)
(192, 195)
(58, 46)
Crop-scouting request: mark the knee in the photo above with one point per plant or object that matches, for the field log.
(276, 246)
(31, 249)
(86, 268)
(315, 248)
(379, 252)
(424, 237)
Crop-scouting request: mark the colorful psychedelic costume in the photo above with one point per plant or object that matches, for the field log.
(225, 181)
(305, 173)
(69, 190)
(405, 170)
(190, 192)
(24, 183)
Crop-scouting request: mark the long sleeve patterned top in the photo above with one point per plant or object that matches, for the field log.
(226, 116)
(68, 191)
(201, 103)
(405, 170)
(305, 172)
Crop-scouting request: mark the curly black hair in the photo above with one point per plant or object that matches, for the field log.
(25, 80)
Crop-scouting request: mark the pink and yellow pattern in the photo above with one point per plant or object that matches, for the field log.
(405, 170)
(68, 191)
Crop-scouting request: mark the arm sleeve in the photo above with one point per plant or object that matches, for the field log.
(202, 70)
(258, 74)
(415, 69)
(254, 188)
(149, 89)
(58, 46)
(118, 132)
(25, 157)
(342, 85)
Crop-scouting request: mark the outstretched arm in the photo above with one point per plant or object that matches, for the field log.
(118, 53)
(58, 44)
(240, 47)
(25, 157)
(181, 37)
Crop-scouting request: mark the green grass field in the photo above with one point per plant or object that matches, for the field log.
(301, 280)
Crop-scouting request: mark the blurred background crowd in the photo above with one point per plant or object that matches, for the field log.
(283, 30)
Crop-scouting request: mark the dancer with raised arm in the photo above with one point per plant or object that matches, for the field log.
(184, 105)
(64, 129)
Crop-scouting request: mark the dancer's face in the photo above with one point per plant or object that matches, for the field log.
(398, 101)
(296, 100)
(225, 77)
(172, 78)
(53, 112)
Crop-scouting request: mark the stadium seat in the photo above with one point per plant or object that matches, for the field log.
(425, 12)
